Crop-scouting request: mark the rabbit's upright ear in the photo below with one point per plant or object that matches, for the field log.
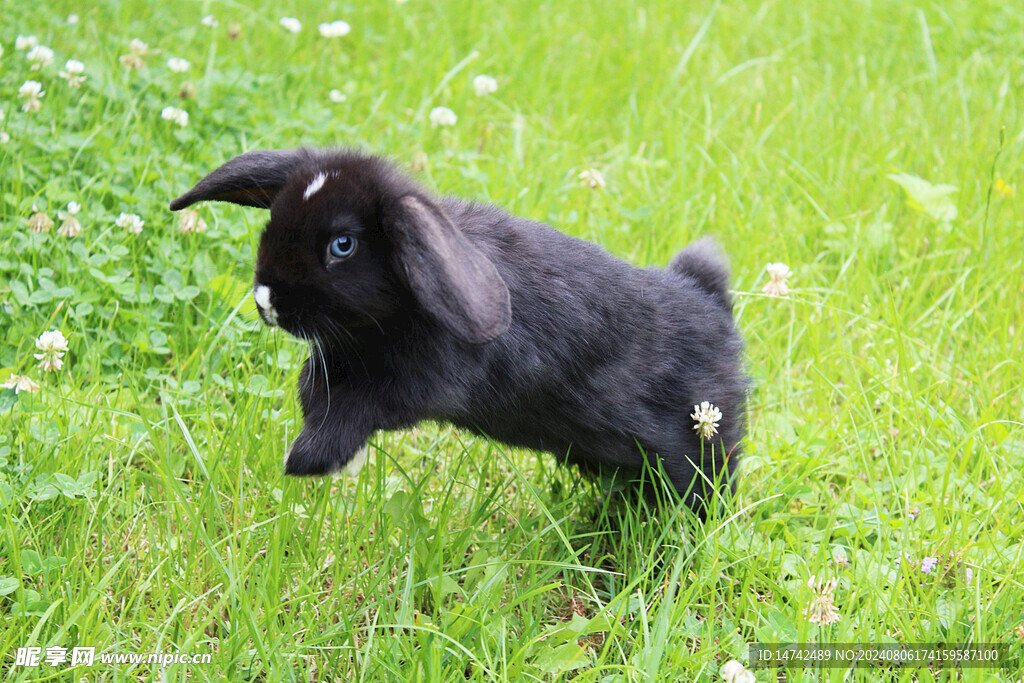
(251, 179)
(452, 279)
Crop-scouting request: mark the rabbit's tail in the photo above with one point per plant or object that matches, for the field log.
(704, 262)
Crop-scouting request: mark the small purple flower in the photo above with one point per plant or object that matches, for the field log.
(946, 574)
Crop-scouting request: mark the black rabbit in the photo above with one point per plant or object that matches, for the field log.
(424, 308)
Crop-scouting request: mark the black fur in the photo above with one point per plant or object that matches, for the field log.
(459, 312)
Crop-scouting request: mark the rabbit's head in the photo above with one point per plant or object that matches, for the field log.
(353, 244)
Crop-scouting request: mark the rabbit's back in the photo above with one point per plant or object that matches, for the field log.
(601, 356)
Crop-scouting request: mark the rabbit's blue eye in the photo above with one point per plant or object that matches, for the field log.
(342, 247)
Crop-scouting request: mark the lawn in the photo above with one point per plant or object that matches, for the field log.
(874, 147)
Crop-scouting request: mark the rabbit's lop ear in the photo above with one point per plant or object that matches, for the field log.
(452, 279)
(250, 179)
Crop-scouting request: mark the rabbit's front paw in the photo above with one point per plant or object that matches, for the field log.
(311, 456)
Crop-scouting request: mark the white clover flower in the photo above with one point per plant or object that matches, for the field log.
(484, 85)
(40, 56)
(4, 137)
(442, 116)
(822, 609)
(336, 96)
(178, 65)
(72, 73)
(2, 115)
(191, 222)
(175, 115)
(734, 672)
(69, 227)
(291, 24)
(130, 222)
(25, 42)
(335, 29)
(778, 271)
(73, 19)
(137, 49)
(592, 178)
(209, 20)
(52, 346)
(779, 274)
(20, 383)
(706, 416)
(39, 221)
(31, 92)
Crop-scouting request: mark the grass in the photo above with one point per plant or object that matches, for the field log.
(144, 508)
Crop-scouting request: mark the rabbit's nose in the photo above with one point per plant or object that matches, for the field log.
(264, 301)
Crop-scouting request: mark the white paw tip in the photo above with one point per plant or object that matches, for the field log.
(355, 465)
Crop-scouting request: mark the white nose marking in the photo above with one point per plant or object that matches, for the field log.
(261, 294)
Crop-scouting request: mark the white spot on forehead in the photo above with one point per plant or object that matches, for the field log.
(314, 185)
